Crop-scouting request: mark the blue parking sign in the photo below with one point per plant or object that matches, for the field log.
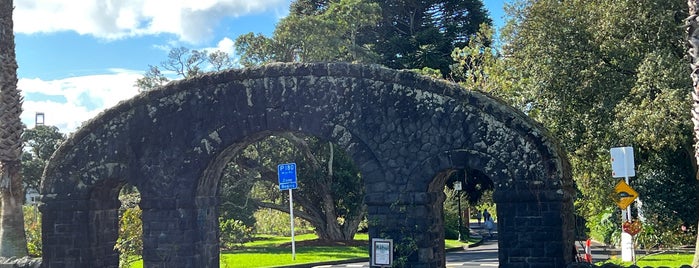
(287, 176)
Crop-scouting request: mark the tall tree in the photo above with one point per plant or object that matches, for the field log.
(417, 34)
(330, 194)
(601, 74)
(315, 31)
(13, 241)
(693, 39)
(39, 143)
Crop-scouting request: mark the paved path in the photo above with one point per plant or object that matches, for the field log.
(483, 255)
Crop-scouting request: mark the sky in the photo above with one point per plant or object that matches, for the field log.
(78, 58)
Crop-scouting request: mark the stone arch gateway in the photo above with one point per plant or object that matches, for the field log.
(401, 129)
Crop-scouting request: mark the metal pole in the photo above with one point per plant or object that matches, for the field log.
(458, 193)
(628, 251)
(291, 213)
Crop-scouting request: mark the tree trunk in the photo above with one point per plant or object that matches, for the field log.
(13, 241)
(693, 39)
(332, 230)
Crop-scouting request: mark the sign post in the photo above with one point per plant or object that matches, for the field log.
(623, 166)
(457, 187)
(287, 181)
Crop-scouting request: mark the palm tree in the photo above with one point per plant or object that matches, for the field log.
(13, 241)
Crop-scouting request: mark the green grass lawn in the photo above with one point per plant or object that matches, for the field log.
(271, 251)
(657, 260)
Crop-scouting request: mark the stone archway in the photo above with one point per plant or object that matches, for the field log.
(401, 130)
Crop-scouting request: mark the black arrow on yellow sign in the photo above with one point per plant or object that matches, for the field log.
(625, 195)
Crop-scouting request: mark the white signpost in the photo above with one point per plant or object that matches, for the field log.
(286, 174)
(623, 166)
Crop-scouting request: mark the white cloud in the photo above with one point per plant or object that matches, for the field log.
(83, 97)
(193, 21)
(226, 45)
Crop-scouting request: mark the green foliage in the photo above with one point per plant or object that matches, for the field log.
(152, 78)
(397, 34)
(405, 248)
(185, 63)
(273, 222)
(236, 201)
(606, 226)
(32, 229)
(327, 34)
(330, 193)
(130, 240)
(39, 143)
(417, 34)
(451, 225)
(426, 71)
(233, 233)
(599, 74)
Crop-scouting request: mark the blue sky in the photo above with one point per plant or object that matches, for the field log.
(77, 58)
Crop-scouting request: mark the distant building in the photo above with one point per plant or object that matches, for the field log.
(32, 197)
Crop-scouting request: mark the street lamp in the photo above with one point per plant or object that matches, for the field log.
(457, 187)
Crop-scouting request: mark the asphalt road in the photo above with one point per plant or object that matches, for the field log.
(483, 255)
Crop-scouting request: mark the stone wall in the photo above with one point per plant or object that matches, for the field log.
(402, 130)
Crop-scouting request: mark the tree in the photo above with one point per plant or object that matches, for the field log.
(40, 143)
(693, 39)
(397, 34)
(184, 63)
(314, 31)
(153, 78)
(417, 34)
(599, 74)
(330, 194)
(13, 241)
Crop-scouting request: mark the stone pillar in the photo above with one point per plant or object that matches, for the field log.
(208, 227)
(169, 234)
(104, 231)
(65, 235)
(414, 222)
(532, 234)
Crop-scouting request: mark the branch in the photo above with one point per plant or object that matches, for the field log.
(303, 147)
(266, 173)
(283, 208)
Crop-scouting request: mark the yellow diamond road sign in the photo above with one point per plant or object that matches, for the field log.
(625, 194)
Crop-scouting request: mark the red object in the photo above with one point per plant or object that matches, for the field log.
(588, 251)
(631, 227)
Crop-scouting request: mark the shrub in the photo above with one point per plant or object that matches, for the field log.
(234, 233)
(451, 225)
(606, 227)
(130, 241)
(269, 221)
(32, 229)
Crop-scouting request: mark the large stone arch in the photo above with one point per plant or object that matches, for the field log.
(401, 129)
